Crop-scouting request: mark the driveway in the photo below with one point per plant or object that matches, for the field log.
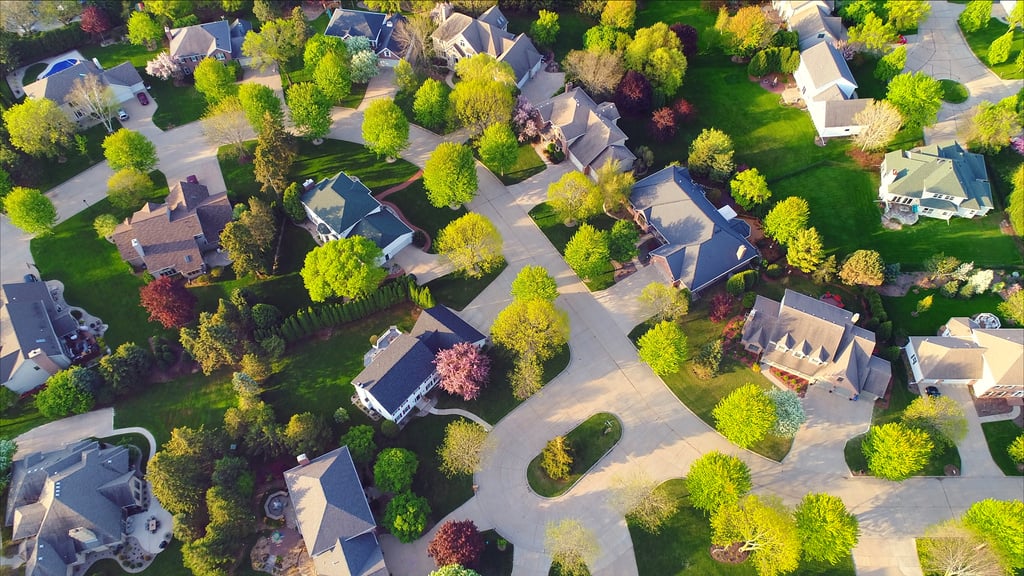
(975, 457)
(543, 86)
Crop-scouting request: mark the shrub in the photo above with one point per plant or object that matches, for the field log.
(685, 111)
(748, 299)
(774, 271)
(662, 126)
(709, 360)
(950, 289)
(721, 307)
(735, 285)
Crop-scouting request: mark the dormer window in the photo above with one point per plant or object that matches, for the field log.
(798, 354)
(781, 347)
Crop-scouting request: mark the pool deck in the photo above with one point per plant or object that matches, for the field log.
(14, 78)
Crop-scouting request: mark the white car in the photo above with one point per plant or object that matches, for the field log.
(121, 114)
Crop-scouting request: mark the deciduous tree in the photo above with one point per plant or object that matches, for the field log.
(456, 542)
(895, 451)
(917, 97)
(598, 72)
(745, 32)
(277, 42)
(306, 433)
(745, 416)
(258, 100)
(587, 252)
(574, 197)
(385, 128)
(662, 126)
(214, 80)
(365, 65)
(622, 241)
(789, 412)
(463, 369)
(941, 417)
(880, 122)
(168, 302)
(663, 348)
(129, 149)
(750, 188)
(634, 94)
(891, 64)
(394, 470)
(1001, 523)
(225, 124)
(449, 175)
(250, 239)
(874, 34)
(828, 532)
(164, 67)
(359, 440)
(126, 368)
(430, 106)
(976, 16)
(991, 126)
(472, 243)
(1013, 308)
(483, 66)
(641, 501)
(464, 447)
(766, 529)
(347, 268)
(478, 103)
(951, 548)
(556, 458)
(454, 569)
(806, 251)
(95, 21)
(332, 77)
(69, 391)
(38, 127)
(104, 224)
(711, 155)
(143, 30)
(95, 98)
(688, 37)
(999, 50)
(30, 210)
(717, 480)
(863, 267)
(406, 516)
(545, 28)
(905, 15)
(498, 148)
(655, 51)
(785, 221)
(665, 302)
(571, 546)
(531, 329)
(310, 110)
(619, 14)
(128, 188)
(180, 472)
(534, 283)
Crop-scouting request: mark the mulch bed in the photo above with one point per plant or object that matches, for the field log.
(866, 160)
(730, 554)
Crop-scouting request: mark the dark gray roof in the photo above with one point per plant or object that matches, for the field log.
(35, 319)
(701, 246)
(57, 86)
(123, 74)
(494, 17)
(382, 228)
(239, 28)
(590, 130)
(440, 328)
(345, 23)
(340, 201)
(521, 55)
(840, 113)
(202, 39)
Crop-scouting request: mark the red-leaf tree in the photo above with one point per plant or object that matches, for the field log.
(457, 542)
(721, 307)
(168, 302)
(95, 21)
(687, 38)
(463, 369)
(663, 124)
(684, 110)
(634, 94)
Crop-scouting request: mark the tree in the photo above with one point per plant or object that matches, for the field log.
(454, 569)
(641, 501)
(128, 188)
(545, 28)
(806, 251)
(498, 147)
(534, 283)
(574, 197)
(394, 470)
(716, 480)
(917, 97)
(992, 125)
(766, 529)
(828, 532)
(275, 153)
(277, 42)
(306, 433)
(415, 35)
(654, 51)
(180, 472)
(556, 458)
(94, 21)
(38, 127)
(8, 448)
(225, 124)
(750, 189)
(999, 50)
(1016, 16)
(104, 224)
(941, 417)
(483, 66)
(164, 67)
(480, 102)
(318, 46)
(463, 369)
(711, 155)
(456, 542)
(634, 94)
(905, 16)
(614, 185)
(359, 440)
(388, 6)
(464, 447)
(332, 77)
(168, 302)
(873, 33)
(1001, 523)
(258, 100)
(881, 121)
(430, 105)
(69, 391)
(264, 10)
(746, 32)
(619, 14)
(1014, 203)
(214, 80)
(385, 128)
(662, 126)
(143, 30)
(895, 451)
(745, 416)
(310, 110)
(250, 239)
(789, 412)
(571, 546)
(532, 329)
(472, 243)
(587, 252)
(94, 97)
(863, 267)
(976, 16)
(365, 65)
(292, 203)
(1013, 308)
(30, 210)
(891, 64)
(785, 221)
(346, 268)
(622, 241)
(527, 377)
(598, 72)
(951, 548)
(449, 175)
(406, 516)
(663, 348)
(665, 302)
(129, 149)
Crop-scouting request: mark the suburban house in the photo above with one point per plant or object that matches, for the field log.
(343, 206)
(379, 28)
(124, 81)
(587, 132)
(334, 517)
(218, 40)
(829, 91)
(45, 335)
(811, 20)
(938, 181)
(817, 341)
(180, 236)
(700, 244)
(460, 36)
(964, 353)
(400, 368)
(70, 507)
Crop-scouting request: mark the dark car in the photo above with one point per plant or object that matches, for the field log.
(30, 278)
(143, 99)
(932, 391)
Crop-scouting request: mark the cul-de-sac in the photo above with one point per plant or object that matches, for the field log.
(512, 287)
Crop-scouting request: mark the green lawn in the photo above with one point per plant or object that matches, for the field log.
(22, 418)
(355, 96)
(982, 39)
(333, 156)
(999, 435)
(413, 203)
(238, 176)
(494, 562)
(320, 23)
(572, 26)
(167, 563)
(527, 164)
(588, 442)
(681, 547)
(936, 465)
(901, 310)
(51, 174)
(110, 56)
(953, 91)
(176, 105)
(32, 73)
(559, 234)
(456, 291)
(423, 436)
(195, 400)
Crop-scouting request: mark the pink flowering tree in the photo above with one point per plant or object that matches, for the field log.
(525, 120)
(464, 369)
(163, 67)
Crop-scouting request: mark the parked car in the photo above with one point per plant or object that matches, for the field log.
(121, 114)
(143, 99)
(932, 391)
(30, 278)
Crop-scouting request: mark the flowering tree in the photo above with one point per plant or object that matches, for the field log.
(663, 124)
(163, 67)
(524, 120)
(464, 369)
(95, 21)
(168, 302)
(456, 542)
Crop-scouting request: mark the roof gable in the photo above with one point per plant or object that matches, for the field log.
(825, 66)
(945, 169)
(341, 201)
(34, 318)
(204, 39)
(346, 23)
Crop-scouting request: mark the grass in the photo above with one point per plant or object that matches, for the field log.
(572, 27)
(110, 56)
(413, 203)
(681, 547)
(528, 164)
(32, 73)
(354, 97)
(935, 467)
(423, 436)
(193, 401)
(900, 310)
(166, 563)
(239, 177)
(589, 442)
(456, 291)
(52, 174)
(176, 105)
(22, 418)
(981, 40)
(559, 235)
(999, 435)
(953, 91)
(494, 562)
(333, 156)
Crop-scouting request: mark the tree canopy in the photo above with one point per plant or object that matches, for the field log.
(828, 531)
(449, 175)
(214, 80)
(310, 110)
(534, 283)
(456, 542)
(463, 448)
(70, 391)
(917, 97)
(785, 221)
(472, 243)
(587, 252)
(767, 530)
(464, 369)
(717, 480)
(941, 417)
(745, 416)
(895, 451)
(129, 149)
(498, 147)
(663, 348)
(385, 128)
(574, 197)
(531, 328)
(347, 268)
(30, 210)
(863, 267)
(711, 154)
(394, 470)
(38, 127)
(750, 188)
(1001, 523)
(168, 302)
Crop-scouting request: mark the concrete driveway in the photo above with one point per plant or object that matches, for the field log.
(543, 86)
(975, 457)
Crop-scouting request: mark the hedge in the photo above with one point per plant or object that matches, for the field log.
(38, 45)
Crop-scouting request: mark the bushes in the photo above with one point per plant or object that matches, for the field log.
(774, 271)
(663, 125)
(741, 282)
(39, 45)
(779, 59)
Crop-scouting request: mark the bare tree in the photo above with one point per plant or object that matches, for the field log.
(21, 15)
(881, 121)
(414, 34)
(571, 546)
(953, 550)
(636, 496)
(598, 72)
(94, 97)
(225, 123)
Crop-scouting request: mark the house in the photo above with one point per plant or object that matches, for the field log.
(218, 40)
(789, 8)
(380, 29)
(940, 180)
(817, 341)
(460, 36)
(44, 332)
(180, 236)
(343, 206)
(401, 371)
(124, 81)
(588, 132)
(812, 21)
(965, 353)
(70, 507)
(829, 91)
(700, 244)
(334, 517)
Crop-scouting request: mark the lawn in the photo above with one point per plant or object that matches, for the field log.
(588, 442)
(953, 91)
(110, 56)
(559, 234)
(32, 73)
(495, 562)
(167, 563)
(238, 176)
(572, 26)
(999, 435)
(333, 156)
(354, 97)
(980, 41)
(176, 105)
(51, 174)
(423, 436)
(528, 164)
(936, 464)
(901, 310)
(681, 547)
(456, 291)
(195, 400)
(413, 203)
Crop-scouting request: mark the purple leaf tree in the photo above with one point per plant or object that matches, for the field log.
(464, 369)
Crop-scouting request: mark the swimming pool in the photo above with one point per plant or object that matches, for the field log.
(58, 66)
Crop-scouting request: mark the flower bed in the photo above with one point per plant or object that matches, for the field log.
(792, 381)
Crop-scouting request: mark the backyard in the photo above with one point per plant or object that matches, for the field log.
(901, 310)
(981, 40)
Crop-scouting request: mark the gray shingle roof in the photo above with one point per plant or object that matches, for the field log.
(494, 17)
(589, 130)
(825, 64)
(521, 55)
(815, 21)
(123, 74)
(35, 319)
(57, 86)
(340, 201)
(239, 28)
(204, 39)
(839, 113)
(945, 169)
(345, 23)
(948, 357)
(440, 328)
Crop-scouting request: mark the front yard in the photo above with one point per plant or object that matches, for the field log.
(999, 435)
(457, 291)
(528, 164)
(981, 40)
(413, 203)
(176, 105)
(559, 234)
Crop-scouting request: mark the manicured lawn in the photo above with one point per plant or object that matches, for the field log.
(423, 436)
(333, 156)
(953, 91)
(22, 418)
(238, 176)
(494, 562)
(195, 400)
(900, 310)
(355, 96)
(588, 442)
(559, 235)
(982, 39)
(167, 563)
(527, 164)
(936, 465)
(681, 547)
(32, 73)
(52, 173)
(999, 435)
(863, 68)
(457, 291)
(110, 56)
(413, 203)
(176, 105)
(572, 26)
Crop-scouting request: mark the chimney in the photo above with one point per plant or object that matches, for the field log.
(740, 252)
(855, 318)
(308, 184)
(302, 459)
(138, 247)
(889, 178)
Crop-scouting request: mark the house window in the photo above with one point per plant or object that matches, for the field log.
(781, 347)
(798, 354)
(220, 56)
(821, 35)
(913, 358)
(815, 360)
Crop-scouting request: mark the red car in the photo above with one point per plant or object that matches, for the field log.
(143, 99)
(902, 39)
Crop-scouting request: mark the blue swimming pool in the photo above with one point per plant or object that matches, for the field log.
(58, 66)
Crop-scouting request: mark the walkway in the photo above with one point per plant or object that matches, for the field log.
(463, 413)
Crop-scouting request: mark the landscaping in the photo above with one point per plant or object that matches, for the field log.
(559, 234)
(953, 91)
(495, 562)
(176, 105)
(588, 442)
(333, 156)
(999, 435)
(981, 40)
(901, 310)
(572, 27)
(413, 203)
(528, 164)
(456, 291)
(936, 466)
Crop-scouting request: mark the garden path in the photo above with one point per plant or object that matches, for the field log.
(460, 412)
